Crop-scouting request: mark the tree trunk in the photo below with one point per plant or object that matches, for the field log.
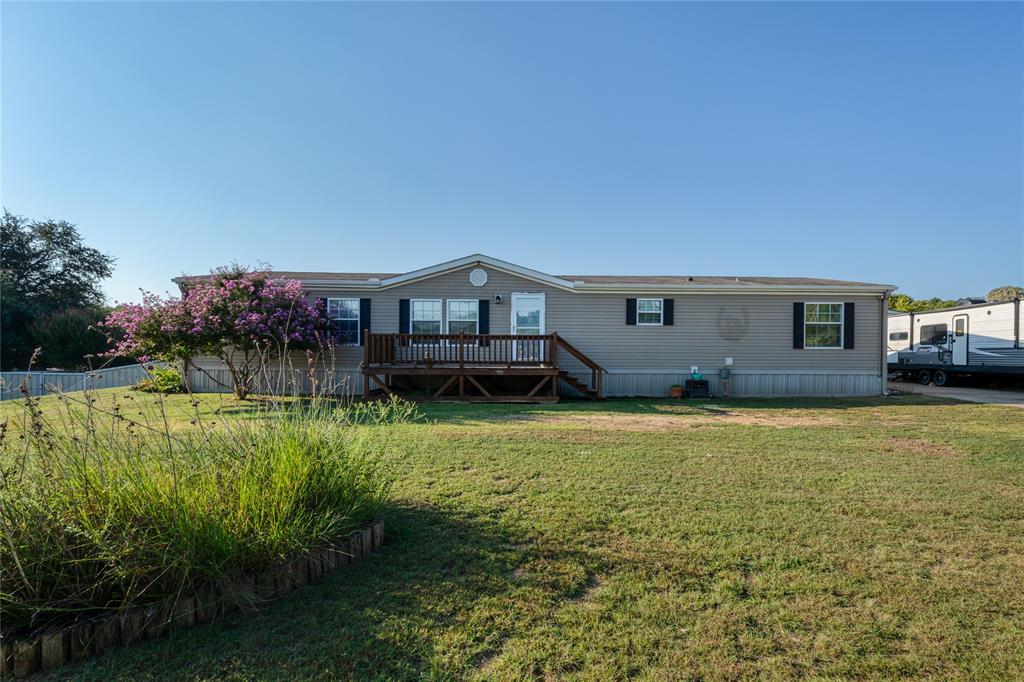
(186, 363)
(239, 380)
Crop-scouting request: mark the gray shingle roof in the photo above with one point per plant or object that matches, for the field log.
(303, 275)
(592, 280)
(706, 279)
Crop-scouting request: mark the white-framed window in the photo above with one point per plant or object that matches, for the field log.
(343, 320)
(934, 334)
(463, 316)
(650, 311)
(425, 316)
(823, 325)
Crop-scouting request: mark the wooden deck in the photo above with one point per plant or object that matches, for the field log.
(470, 367)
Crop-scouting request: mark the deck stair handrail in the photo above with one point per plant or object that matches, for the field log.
(596, 370)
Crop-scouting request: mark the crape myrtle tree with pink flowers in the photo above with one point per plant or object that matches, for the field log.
(156, 329)
(244, 317)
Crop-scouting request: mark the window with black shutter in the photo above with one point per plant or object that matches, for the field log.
(343, 320)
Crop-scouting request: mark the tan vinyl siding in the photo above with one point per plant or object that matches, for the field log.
(755, 330)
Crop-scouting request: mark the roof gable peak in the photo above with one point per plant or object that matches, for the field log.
(477, 259)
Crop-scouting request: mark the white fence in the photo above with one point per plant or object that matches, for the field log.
(41, 383)
(336, 382)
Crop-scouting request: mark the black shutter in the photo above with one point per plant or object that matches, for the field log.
(848, 325)
(403, 316)
(668, 311)
(403, 319)
(630, 311)
(364, 318)
(798, 325)
(484, 311)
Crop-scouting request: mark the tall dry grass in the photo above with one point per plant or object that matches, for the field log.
(106, 506)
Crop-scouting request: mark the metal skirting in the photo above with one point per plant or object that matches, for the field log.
(620, 383)
(743, 384)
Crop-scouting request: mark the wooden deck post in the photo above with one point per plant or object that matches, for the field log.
(366, 364)
(554, 364)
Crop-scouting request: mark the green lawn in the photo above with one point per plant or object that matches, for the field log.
(872, 538)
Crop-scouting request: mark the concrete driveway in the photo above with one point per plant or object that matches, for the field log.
(972, 394)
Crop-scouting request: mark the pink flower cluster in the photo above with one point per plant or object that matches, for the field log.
(148, 330)
(234, 308)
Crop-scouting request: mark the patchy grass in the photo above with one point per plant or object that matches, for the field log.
(873, 538)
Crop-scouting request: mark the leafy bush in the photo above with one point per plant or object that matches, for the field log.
(161, 380)
(106, 506)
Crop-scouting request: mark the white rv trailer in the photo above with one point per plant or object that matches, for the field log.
(984, 338)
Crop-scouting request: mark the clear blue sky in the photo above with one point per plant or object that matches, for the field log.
(881, 142)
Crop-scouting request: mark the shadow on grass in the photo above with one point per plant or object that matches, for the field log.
(382, 618)
(457, 412)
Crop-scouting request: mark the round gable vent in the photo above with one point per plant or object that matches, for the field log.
(478, 277)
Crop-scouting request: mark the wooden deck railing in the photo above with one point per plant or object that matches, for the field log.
(461, 350)
(438, 352)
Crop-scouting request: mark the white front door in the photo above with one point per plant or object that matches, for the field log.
(959, 339)
(527, 318)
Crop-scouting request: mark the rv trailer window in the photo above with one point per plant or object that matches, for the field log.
(933, 334)
(899, 336)
(343, 319)
(823, 325)
(958, 326)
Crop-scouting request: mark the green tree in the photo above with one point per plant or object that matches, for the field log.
(44, 268)
(901, 302)
(1007, 293)
(71, 340)
(906, 304)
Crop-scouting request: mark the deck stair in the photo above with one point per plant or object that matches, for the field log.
(587, 392)
(593, 391)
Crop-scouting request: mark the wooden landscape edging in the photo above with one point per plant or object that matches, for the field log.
(51, 649)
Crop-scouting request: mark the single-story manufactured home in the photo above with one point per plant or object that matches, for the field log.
(481, 328)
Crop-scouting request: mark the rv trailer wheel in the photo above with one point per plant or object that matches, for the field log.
(924, 377)
(940, 378)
